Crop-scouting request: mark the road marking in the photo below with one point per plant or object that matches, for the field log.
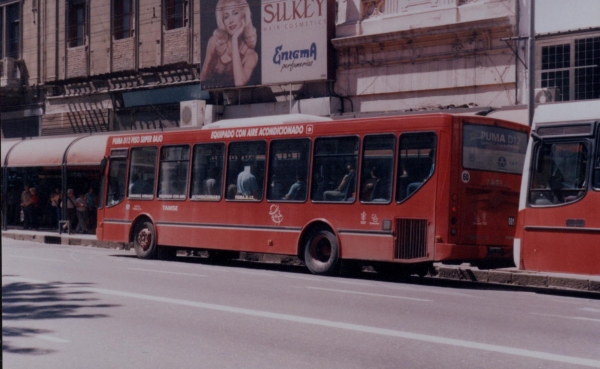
(591, 309)
(74, 258)
(568, 317)
(346, 326)
(368, 294)
(165, 272)
(32, 258)
(357, 328)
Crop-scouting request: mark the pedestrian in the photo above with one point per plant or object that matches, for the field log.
(82, 209)
(25, 207)
(92, 205)
(34, 212)
(71, 215)
(56, 202)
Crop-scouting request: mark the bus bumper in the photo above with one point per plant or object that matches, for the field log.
(450, 252)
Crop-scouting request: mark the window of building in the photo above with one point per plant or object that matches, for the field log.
(142, 173)
(416, 162)
(334, 169)
(123, 17)
(207, 172)
(288, 170)
(76, 22)
(560, 173)
(246, 170)
(10, 31)
(377, 168)
(173, 172)
(571, 68)
(176, 13)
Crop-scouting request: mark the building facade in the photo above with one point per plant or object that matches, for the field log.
(74, 66)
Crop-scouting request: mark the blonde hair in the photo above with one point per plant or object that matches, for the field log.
(221, 35)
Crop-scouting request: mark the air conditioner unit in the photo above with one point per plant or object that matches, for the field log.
(192, 113)
(544, 95)
(10, 76)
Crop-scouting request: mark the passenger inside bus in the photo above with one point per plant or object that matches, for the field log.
(247, 186)
(297, 190)
(374, 188)
(344, 191)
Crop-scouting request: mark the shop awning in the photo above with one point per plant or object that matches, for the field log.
(52, 152)
(6, 146)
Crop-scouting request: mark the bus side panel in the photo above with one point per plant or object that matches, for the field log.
(563, 238)
(231, 237)
(367, 246)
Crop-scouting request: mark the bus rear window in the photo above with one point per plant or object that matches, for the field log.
(493, 149)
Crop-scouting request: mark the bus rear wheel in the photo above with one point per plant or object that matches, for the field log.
(144, 240)
(321, 254)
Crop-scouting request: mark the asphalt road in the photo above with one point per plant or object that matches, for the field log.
(82, 307)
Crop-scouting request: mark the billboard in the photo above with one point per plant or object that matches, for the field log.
(254, 42)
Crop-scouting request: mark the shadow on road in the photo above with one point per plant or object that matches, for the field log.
(30, 302)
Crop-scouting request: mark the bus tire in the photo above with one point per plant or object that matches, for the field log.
(321, 253)
(144, 240)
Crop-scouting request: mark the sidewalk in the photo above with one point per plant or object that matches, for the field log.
(464, 272)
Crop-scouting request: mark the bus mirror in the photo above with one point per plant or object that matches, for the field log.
(103, 165)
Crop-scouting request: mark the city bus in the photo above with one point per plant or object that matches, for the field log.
(397, 193)
(559, 210)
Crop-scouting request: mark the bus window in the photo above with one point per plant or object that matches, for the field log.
(493, 148)
(246, 170)
(559, 174)
(207, 172)
(173, 171)
(288, 170)
(416, 162)
(142, 173)
(377, 168)
(116, 181)
(334, 169)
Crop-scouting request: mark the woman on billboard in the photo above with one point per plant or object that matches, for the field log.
(230, 56)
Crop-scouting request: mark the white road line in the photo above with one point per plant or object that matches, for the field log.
(591, 309)
(368, 294)
(568, 317)
(359, 328)
(32, 258)
(348, 326)
(73, 257)
(165, 272)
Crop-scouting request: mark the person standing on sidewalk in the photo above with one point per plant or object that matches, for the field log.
(25, 207)
(82, 210)
(71, 215)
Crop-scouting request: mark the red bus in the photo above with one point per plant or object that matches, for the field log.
(559, 210)
(397, 193)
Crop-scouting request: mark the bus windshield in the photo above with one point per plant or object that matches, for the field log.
(493, 148)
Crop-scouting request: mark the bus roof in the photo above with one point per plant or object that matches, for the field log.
(567, 111)
(267, 121)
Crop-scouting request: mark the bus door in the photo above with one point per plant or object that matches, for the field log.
(113, 194)
(488, 191)
(416, 195)
(562, 220)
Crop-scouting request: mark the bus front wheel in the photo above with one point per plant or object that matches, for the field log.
(321, 254)
(144, 240)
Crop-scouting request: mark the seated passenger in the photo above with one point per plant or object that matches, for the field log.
(342, 192)
(297, 190)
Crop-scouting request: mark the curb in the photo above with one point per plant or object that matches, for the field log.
(504, 276)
